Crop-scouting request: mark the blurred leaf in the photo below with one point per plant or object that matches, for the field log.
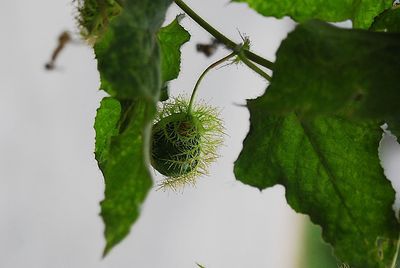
(394, 126)
(171, 38)
(128, 57)
(388, 21)
(321, 69)
(361, 12)
(164, 93)
(331, 171)
(128, 54)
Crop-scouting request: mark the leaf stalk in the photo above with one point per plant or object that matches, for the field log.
(223, 39)
(204, 73)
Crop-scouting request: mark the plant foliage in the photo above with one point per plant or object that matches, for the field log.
(316, 130)
(129, 56)
(361, 12)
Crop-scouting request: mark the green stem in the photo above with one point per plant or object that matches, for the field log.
(203, 74)
(222, 38)
(252, 66)
(214, 32)
(395, 259)
(258, 59)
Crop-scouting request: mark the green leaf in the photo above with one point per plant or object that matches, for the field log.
(125, 165)
(171, 38)
(129, 62)
(394, 126)
(322, 69)
(361, 12)
(105, 125)
(315, 252)
(388, 21)
(331, 171)
(128, 54)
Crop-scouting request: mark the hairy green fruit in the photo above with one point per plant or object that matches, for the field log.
(184, 142)
(175, 145)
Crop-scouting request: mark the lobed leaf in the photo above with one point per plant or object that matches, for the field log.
(322, 69)
(361, 12)
(331, 171)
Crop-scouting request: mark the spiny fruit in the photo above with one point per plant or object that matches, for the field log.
(185, 142)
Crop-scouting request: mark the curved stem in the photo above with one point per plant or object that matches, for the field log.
(222, 38)
(214, 32)
(203, 74)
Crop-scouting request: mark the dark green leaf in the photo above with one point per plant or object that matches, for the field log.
(164, 93)
(394, 126)
(388, 21)
(125, 167)
(128, 57)
(321, 69)
(331, 171)
(171, 38)
(128, 54)
(361, 12)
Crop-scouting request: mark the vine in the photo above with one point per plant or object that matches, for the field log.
(314, 130)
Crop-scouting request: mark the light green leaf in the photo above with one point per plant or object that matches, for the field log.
(105, 125)
(388, 21)
(315, 252)
(331, 171)
(321, 69)
(171, 38)
(361, 12)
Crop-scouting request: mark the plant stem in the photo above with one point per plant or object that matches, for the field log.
(203, 74)
(258, 59)
(222, 38)
(252, 66)
(395, 259)
(214, 32)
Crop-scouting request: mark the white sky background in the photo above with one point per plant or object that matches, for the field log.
(50, 185)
